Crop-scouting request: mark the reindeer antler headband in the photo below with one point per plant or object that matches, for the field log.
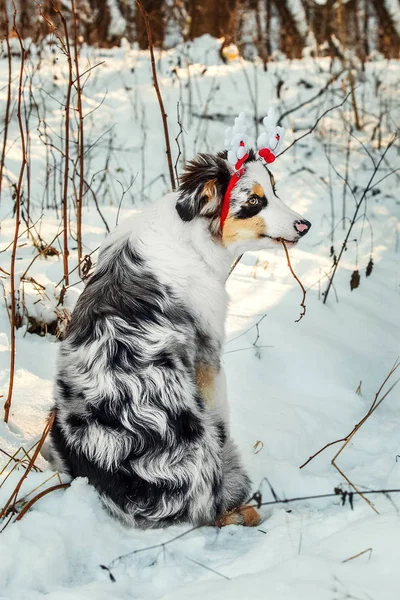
(268, 143)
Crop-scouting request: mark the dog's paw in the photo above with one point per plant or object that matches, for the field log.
(245, 515)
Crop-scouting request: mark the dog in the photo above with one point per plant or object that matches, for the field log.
(140, 393)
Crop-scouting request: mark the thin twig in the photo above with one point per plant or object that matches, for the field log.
(42, 251)
(237, 261)
(8, 104)
(377, 401)
(302, 303)
(14, 495)
(358, 555)
(158, 92)
(18, 193)
(114, 562)
(178, 117)
(28, 505)
(81, 146)
(354, 219)
(258, 504)
(320, 93)
(66, 148)
(315, 124)
(374, 406)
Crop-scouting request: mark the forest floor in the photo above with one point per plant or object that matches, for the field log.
(292, 387)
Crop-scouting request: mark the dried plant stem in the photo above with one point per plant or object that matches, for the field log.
(178, 117)
(321, 92)
(237, 261)
(40, 253)
(302, 303)
(377, 401)
(374, 406)
(258, 499)
(355, 215)
(28, 505)
(18, 192)
(358, 555)
(358, 425)
(67, 52)
(8, 103)
(81, 149)
(75, 268)
(316, 123)
(157, 88)
(14, 496)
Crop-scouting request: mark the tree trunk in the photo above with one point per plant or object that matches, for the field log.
(388, 36)
(216, 17)
(292, 42)
(154, 9)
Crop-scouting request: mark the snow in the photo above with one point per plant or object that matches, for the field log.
(292, 386)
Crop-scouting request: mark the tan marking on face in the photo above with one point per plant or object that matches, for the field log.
(205, 381)
(236, 230)
(209, 189)
(258, 190)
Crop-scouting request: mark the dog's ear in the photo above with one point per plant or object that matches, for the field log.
(202, 187)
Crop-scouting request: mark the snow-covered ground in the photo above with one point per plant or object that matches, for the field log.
(292, 386)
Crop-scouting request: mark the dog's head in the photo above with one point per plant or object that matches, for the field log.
(256, 217)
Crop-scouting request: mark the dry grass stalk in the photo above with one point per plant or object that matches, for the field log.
(17, 463)
(310, 131)
(358, 555)
(28, 505)
(237, 261)
(258, 446)
(18, 192)
(179, 121)
(377, 401)
(372, 408)
(358, 205)
(67, 52)
(24, 462)
(81, 148)
(84, 259)
(157, 88)
(302, 303)
(47, 250)
(17, 460)
(11, 502)
(66, 48)
(8, 103)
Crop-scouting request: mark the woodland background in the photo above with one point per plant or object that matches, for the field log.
(82, 148)
(288, 26)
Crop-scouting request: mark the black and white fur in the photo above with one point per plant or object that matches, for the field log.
(140, 394)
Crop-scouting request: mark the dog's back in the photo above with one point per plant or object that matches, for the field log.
(136, 383)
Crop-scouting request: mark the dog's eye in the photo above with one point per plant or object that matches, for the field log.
(253, 201)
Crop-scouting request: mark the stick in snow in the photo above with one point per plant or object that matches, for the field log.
(302, 303)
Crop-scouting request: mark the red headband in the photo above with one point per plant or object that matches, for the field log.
(266, 154)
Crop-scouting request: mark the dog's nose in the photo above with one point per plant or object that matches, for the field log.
(302, 227)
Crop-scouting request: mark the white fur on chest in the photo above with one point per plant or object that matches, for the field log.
(182, 256)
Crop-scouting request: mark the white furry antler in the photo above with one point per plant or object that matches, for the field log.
(270, 140)
(236, 138)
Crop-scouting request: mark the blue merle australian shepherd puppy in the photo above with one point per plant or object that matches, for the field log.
(140, 395)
